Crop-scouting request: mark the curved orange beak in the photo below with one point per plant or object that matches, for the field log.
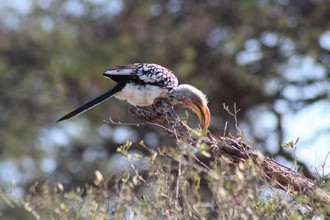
(203, 114)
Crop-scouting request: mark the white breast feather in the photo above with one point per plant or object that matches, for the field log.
(139, 95)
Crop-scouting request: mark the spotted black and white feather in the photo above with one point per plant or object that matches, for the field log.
(144, 82)
(140, 84)
(144, 73)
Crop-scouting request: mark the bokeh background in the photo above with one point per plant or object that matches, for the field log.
(270, 59)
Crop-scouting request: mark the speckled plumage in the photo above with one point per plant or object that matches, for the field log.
(144, 73)
(139, 83)
(142, 83)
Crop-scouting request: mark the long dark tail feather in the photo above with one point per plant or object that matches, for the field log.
(93, 102)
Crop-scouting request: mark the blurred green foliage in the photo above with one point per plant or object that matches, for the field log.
(52, 54)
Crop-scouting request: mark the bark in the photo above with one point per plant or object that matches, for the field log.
(163, 115)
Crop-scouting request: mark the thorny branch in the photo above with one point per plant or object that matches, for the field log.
(163, 115)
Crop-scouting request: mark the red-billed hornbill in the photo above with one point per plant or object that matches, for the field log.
(142, 83)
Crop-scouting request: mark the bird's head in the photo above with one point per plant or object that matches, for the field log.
(192, 98)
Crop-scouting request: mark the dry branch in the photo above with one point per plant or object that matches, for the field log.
(237, 151)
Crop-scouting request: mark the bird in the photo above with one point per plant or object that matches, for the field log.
(192, 98)
(140, 84)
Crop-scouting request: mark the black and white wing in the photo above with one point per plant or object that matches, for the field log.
(143, 73)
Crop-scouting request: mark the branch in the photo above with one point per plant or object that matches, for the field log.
(163, 115)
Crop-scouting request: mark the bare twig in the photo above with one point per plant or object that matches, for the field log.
(122, 123)
(234, 114)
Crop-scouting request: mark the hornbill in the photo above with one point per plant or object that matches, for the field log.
(142, 83)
